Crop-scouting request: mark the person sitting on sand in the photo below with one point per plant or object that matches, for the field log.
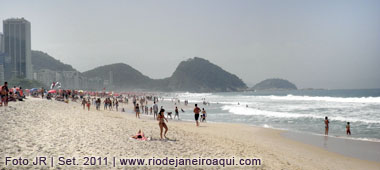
(140, 136)
(161, 119)
(348, 130)
(326, 126)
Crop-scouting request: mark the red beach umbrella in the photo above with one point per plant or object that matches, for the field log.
(52, 91)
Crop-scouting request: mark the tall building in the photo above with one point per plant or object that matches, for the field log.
(17, 48)
(1, 58)
(1, 43)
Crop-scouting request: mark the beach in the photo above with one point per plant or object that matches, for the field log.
(40, 127)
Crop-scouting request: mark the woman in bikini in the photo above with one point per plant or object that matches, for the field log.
(140, 135)
(88, 104)
(161, 119)
(137, 110)
(348, 129)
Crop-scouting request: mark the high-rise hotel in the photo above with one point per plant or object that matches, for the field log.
(1, 58)
(17, 48)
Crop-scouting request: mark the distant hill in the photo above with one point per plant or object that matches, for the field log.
(195, 75)
(124, 76)
(200, 75)
(274, 84)
(41, 60)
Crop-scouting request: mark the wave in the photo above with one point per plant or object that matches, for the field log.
(326, 98)
(243, 99)
(239, 110)
(190, 95)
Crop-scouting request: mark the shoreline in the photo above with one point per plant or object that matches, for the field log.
(42, 127)
(364, 150)
(374, 140)
(352, 147)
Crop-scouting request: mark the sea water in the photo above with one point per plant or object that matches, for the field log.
(298, 110)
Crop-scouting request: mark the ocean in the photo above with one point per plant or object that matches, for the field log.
(299, 110)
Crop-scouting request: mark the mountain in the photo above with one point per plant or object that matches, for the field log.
(124, 76)
(274, 84)
(194, 75)
(200, 75)
(41, 60)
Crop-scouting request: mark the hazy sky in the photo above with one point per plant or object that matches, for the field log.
(313, 43)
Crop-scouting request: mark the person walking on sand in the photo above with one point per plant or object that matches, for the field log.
(105, 104)
(348, 129)
(176, 113)
(327, 125)
(42, 92)
(88, 104)
(4, 94)
(137, 110)
(117, 105)
(203, 115)
(161, 122)
(155, 110)
(84, 103)
(197, 110)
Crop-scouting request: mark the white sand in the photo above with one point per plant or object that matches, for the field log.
(49, 128)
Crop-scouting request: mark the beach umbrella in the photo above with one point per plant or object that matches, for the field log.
(52, 91)
(80, 91)
(116, 94)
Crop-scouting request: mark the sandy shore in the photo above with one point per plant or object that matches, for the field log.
(39, 127)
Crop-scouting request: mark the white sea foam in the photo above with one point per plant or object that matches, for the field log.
(327, 99)
(240, 110)
(192, 95)
(267, 126)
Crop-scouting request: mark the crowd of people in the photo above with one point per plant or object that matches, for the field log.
(10, 94)
(111, 102)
